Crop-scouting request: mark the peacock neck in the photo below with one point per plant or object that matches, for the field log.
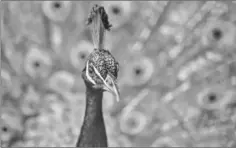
(93, 132)
(93, 111)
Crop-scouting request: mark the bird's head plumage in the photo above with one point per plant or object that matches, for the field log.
(101, 71)
(101, 68)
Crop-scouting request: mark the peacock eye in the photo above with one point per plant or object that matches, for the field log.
(214, 97)
(119, 12)
(139, 72)
(217, 34)
(82, 56)
(4, 129)
(80, 53)
(90, 71)
(134, 123)
(109, 82)
(37, 62)
(116, 10)
(57, 10)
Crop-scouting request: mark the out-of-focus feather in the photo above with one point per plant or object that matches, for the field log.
(171, 42)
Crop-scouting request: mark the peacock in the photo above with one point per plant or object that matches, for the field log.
(99, 74)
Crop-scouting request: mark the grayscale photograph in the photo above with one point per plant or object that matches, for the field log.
(118, 73)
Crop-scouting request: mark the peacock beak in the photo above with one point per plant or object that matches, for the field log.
(111, 86)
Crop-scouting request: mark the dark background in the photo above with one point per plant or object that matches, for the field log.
(177, 73)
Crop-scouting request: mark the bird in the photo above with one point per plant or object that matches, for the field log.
(99, 74)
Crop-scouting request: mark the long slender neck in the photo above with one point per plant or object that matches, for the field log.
(93, 132)
(93, 110)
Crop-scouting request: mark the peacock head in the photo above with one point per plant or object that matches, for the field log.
(101, 71)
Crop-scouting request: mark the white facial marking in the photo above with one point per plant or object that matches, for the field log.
(109, 84)
(87, 74)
